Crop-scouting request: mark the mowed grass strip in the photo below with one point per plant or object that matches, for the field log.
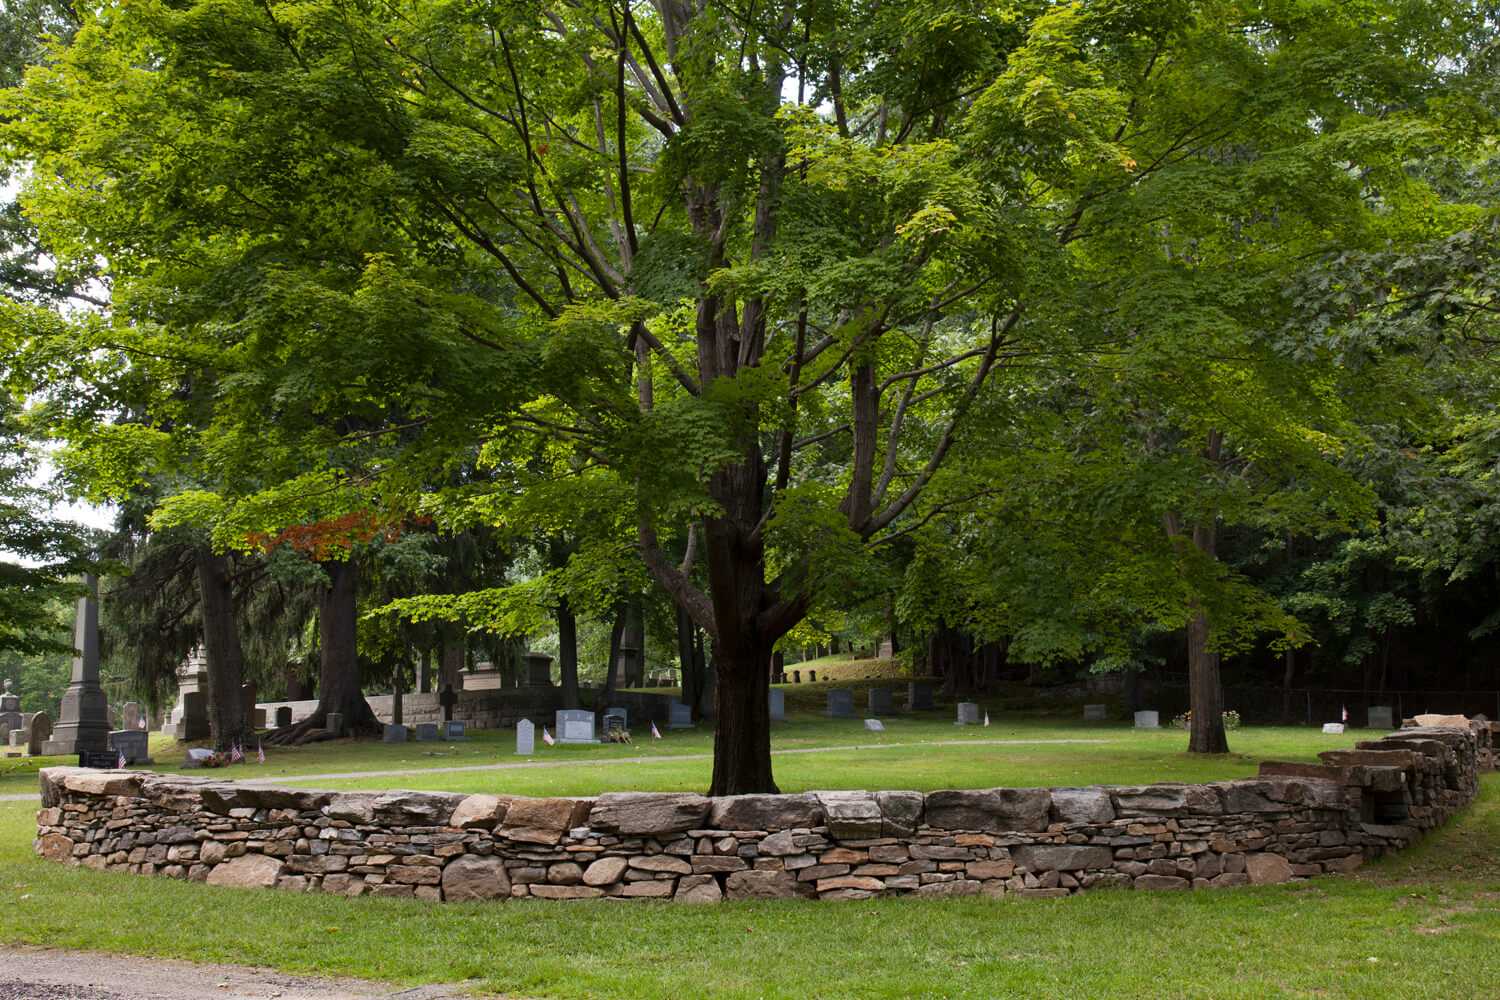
(1424, 925)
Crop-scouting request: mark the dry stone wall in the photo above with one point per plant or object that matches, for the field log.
(1293, 820)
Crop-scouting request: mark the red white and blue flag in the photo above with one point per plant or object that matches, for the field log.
(260, 754)
(236, 754)
(1346, 714)
(547, 737)
(120, 758)
(986, 718)
(655, 733)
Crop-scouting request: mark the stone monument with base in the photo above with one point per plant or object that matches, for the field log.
(83, 724)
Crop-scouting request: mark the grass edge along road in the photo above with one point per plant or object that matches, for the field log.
(1425, 924)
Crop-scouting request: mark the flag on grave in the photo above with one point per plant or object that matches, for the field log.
(120, 758)
(655, 733)
(1346, 714)
(986, 718)
(547, 737)
(236, 753)
(260, 754)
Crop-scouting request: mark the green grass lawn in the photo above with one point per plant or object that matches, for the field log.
(1426, 924)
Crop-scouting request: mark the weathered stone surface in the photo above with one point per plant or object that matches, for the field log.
(648, 813)
(565, 873)
(543, 821)
(995, 809)
(605, 871)
(566, 892)
(1229, 880)
(280, 797)
(698, 889)
(1161, 882)
(851, 882)
(781, 844)
(1348, 863)
(1166, 800)
(851, 815)
(91, 782)
(1442, 721)
(1389, 758)
(1061, 857)
(1267, 869)
(55, 847)
(470, 877)
(990, 869)
(764, 812)
(247, 872)
(704, 864)
(1082, 805)
(352, 807)
(765, 885)
(1294, 769)
(662, 863)
(481, 812)
(649, 890)
(901, 812)
(1277, 793)
(416, 808)
(939, 890)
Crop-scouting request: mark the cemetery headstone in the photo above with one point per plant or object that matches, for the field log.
(1333, 728)
(456, 731)
(574, 725)
(624, 715)
(613, 724)
(840, 704)
(196, 756)
(886, 650)
(82, 723)
(5, 733)
(334, 723)
(1095, 713)
(880, 701)
(796, 677)
(395, 733)
(968, 713)
(778, 705)
(1380, 717)
(16, 739)
(10, 709)
(538, 669)
(132, 743)
(680, 717)
(283, 716)
(1147, 720)
(427, 732)
(130, 716)
(919, 696)
(875, 725)
(525, 737)
(98, 758)
(38, 732)
(194, 722)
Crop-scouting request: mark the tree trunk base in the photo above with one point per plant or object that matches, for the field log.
(313, 728)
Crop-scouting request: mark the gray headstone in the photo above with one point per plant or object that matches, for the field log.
(83, 723)
(16, 738)
(194, 722)
(196, 756)
(283, 716)
(427, 732)
(38, 732)
(778, 705)
(612, 723)
(525, 737)
(334, 723)
(130, 716)
(132, 743)
(574, 725)
(9, 702)
(880, 701)
(395, 734)
(455, 730)
(624, 715)
(875, 725)
(1333, 728)
(840, 704)
(1095, 713)
(681, 717)
(1380, 717)
(919, 696)
(1147, 720)
(968, 713)
(5, 733)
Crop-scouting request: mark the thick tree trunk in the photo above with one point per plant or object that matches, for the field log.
(567, 652)
(1205, 696)
(228, 724)
(742, 734)
(687, 657)
(339, 676)
(453, 665)
(611, 672)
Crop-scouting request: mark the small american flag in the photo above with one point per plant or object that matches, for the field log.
(119, 758)
(1346, 713)
(236, 754)
(655, 733)
(547, 737)
(986, 718)
(260, 754)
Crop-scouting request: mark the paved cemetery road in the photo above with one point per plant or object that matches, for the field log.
(48, 974)
(337, 775)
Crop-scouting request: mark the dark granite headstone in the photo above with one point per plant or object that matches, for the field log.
(880, 701)
(778, 705)
(427, 732)
(395, 733)
(283, 716)
(919, 696)
(840, 704)
(83, 724)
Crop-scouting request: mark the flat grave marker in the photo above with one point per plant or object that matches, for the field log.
(875, 725)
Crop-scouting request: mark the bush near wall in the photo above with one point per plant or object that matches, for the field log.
(1293, 820)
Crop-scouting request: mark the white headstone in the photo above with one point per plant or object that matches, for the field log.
(1147, 720)
(525, 737)
(1333, 728)
(875, 725)
(575, 725)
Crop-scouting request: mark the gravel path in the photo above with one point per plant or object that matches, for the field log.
(335, 775)
(47, 974)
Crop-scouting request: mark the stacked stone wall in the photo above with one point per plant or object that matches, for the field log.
(1294, 820)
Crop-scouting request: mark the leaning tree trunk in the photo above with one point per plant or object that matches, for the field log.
(228, 723)
(339, 677)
